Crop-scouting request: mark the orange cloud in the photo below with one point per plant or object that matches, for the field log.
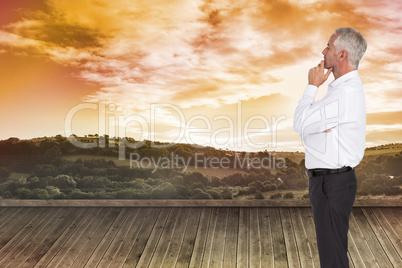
(207, 55)
(386, 118)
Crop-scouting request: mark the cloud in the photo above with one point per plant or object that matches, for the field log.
(14, 40)
(208, 55)
(385, 118)
(383, 136)
(55, 29)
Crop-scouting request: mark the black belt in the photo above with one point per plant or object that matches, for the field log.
(324, 171)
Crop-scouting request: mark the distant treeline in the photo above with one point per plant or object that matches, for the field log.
(35, 169)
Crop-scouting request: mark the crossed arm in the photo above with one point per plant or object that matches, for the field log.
(306, 107)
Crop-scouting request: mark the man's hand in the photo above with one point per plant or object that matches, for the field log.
(316, 75)
(329, 130)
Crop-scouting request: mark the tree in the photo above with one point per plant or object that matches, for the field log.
(288, 195)
(216, 182)
(258, 195)
(36, 182)
(276, 196)
(63, 182)
(236, 179)
(257, 184)
(4, 174)
(215, 194)
(195, 177)
(59, 138)
(89, 182)
(200, 194)
(227, 193)
(52, 190)
(164, 191)
(23, 193)
(40, 194)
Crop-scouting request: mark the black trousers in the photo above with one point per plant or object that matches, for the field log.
(332, 197)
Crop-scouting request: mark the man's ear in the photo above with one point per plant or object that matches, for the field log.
(342, 55)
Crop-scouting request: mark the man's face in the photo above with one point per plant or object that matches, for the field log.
(329, 53)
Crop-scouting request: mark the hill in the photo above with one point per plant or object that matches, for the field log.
(54, 168)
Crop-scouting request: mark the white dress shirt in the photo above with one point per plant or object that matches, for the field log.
(343, 112)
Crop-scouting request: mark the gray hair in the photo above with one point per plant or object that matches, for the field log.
(353, 42)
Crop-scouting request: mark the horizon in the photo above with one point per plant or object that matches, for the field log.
(92, 136)
(215, 73)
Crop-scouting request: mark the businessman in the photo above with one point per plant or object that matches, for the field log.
(333, 132)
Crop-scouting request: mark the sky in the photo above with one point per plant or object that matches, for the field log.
(224, 73)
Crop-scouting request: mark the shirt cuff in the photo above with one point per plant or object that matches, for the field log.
(310, 91)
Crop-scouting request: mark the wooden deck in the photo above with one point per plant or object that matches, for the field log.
(188, 237)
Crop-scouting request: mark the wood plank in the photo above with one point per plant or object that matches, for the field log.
(370, 236)
(60, 243)
(185, 203)
(309, 227)
(132, 249)
(210, 238)
(266, 243)
(165, 238)
(232, 231)
(93, 242)
(107, 238)
(52, 240)
(25, 246)
(278, 238)
(243, 242)
(382, 237)
(353, 253)
(391, 225)
(351, 264)
(254, 236)
(303, 243)
(3, 210)
(8, 215)
(11, 227)
(398, 216)
(190, 235)
(153, 240)
(201, 238)
(153, 203)
(290, 240)
(176, 240)
(359, 250)
(22, 231)
(49, 236)
(218, 246)
(4, 213)
(70, 250)
(131, 224)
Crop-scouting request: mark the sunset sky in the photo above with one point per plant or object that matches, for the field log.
(224, 73)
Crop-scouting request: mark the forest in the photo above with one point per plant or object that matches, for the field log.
(53, 168)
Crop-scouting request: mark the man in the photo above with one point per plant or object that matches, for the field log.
(333, 132)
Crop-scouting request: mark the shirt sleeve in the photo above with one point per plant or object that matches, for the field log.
(318, 116)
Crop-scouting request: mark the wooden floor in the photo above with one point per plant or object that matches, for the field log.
(188, 237)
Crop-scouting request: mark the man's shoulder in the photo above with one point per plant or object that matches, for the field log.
(352, 83)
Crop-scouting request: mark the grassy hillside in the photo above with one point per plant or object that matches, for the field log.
(53, 168)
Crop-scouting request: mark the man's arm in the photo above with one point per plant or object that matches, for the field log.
(316, 78)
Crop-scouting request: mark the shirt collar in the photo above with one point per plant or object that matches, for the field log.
(343, 78)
